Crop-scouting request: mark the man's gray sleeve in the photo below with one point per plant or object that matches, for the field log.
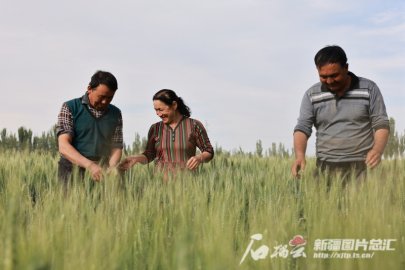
(378, 113)
(306, 117)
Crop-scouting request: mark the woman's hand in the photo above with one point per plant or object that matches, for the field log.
(194, 162)
(127, 163)
(131, 161)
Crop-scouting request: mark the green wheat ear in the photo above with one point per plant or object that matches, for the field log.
(196, 221)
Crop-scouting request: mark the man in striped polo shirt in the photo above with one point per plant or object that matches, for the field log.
(349, 115)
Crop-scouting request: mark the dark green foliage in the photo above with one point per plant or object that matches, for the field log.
(47, 142)
(396, 142)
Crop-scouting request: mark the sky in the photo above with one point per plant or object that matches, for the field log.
(242, 66)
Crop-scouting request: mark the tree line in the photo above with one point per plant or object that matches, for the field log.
(24, 140)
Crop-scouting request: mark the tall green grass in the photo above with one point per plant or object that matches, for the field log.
(198, 220)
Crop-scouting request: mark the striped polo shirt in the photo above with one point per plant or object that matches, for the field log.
(173, 147)
(344, 125)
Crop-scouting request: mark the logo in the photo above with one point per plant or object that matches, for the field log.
(323, 248)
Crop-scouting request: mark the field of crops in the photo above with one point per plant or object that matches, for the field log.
(199, 221)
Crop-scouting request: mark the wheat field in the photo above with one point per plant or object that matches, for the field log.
(201, 220)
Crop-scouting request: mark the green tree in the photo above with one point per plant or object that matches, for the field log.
(8, 141)
(137, 146)
(137, 143)
(393, 145)
(24, 138)
(401, 145)
(46, 142)
(259, 148)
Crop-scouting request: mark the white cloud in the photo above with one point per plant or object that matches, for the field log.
(388, 17)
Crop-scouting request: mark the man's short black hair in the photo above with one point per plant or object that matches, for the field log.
(330, 55)
(104, 77)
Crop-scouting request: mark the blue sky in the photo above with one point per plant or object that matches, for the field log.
(241, 66)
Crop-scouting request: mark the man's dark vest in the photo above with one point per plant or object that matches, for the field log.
(92, 136)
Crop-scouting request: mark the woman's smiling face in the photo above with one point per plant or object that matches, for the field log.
(166, 112)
